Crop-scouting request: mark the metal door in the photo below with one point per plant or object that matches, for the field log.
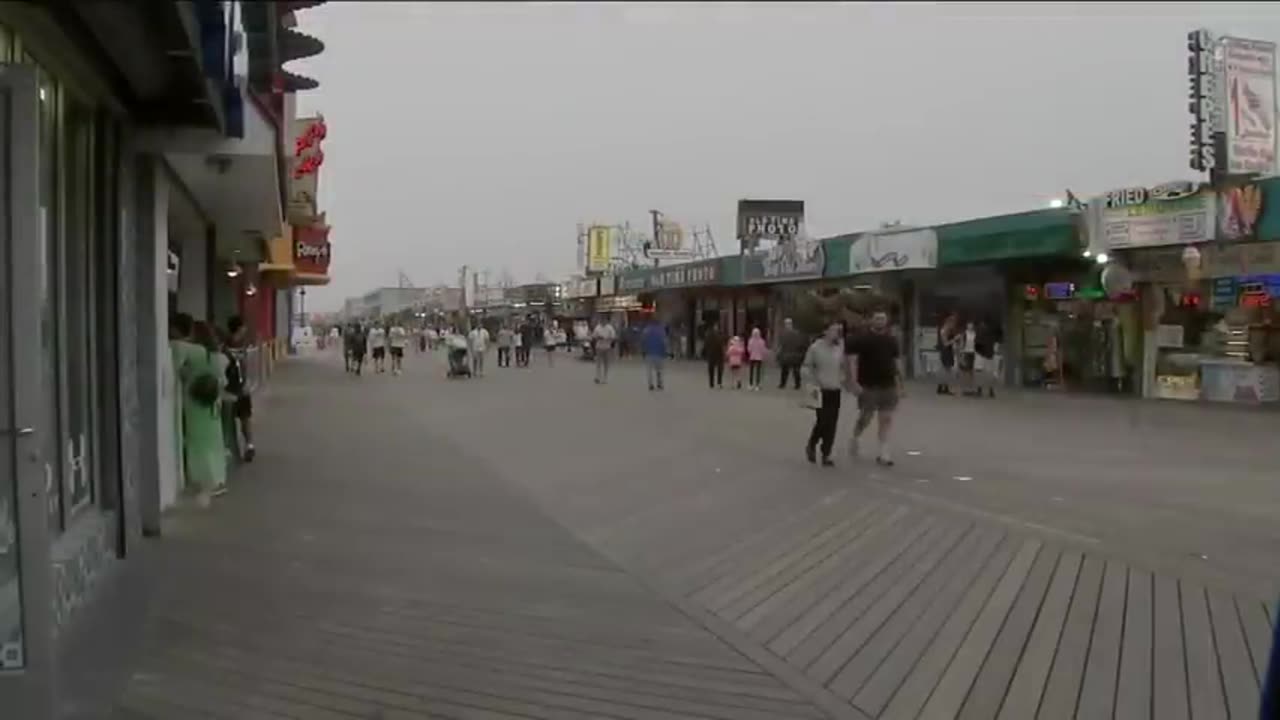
(26, 667)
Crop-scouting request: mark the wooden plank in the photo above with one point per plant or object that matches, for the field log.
(902, 685)
(993, 679)
(732, 572)
(1238, 679)
(800, 564)
(1023, 697)
(1133, 696)
(807, 616)
(1098, 694)
(941, 590)
(1063, 690)
(828, 663)
(1169, 676)
(822, 578)
(954, 686)
(1204, 679)
(1257, 632)
(689, 579)
(804, 641)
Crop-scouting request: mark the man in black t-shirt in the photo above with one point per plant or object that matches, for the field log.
(875, 377)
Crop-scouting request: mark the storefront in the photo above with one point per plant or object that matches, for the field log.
(677, 296)
(894, 263)
(770, 280)
(1214, 330)
(1075, 337)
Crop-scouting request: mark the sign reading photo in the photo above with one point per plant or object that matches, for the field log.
(776, 220)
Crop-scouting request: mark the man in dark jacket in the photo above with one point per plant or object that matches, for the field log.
(713, 343)
(792, 346)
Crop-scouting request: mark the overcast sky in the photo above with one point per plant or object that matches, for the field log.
(483, 133)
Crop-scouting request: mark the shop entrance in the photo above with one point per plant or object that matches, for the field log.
(1080, 345)
(25, 624)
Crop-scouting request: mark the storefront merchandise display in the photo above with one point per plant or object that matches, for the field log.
(1219, 340)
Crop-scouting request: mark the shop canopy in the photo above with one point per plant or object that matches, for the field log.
(1040, 233)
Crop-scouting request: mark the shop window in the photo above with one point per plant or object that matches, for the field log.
(50, 262)
(1219, 340)
(78, 286)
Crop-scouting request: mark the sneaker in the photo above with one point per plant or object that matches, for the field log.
(250, 453)
(827, 462)
(884, 460)
(219, 491)
(810, 454)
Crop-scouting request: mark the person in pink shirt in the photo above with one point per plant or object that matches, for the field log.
(757, 351)
(736, 354)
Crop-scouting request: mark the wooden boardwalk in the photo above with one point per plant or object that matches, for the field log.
(378, 562)
(907, 613)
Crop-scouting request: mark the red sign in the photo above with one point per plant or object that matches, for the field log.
(310, 137)
(311, 249)
(309, 162)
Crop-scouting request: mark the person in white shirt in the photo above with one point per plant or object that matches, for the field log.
(399, 339)
(478, 342)
(604, 337)
(378, 347)
(506, 340)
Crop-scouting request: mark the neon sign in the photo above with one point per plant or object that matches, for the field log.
(308, 164)
(310, 137)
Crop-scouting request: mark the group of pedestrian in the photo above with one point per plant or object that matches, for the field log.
(720, 352)
(968, 354)
(865, 363)
(377, 341)
(214, 411)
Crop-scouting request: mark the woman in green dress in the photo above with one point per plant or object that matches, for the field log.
(201, 371)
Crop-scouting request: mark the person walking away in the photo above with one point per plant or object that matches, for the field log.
(984, 360)
(876, 379)
(478, 345)
(378, 346)
(713, 351)
(241, 405)
(522, 340)
(948, 335)
(398, 339)
(653, 346)
(792, 347)
(757, 351)
(736, 354)
(824, 367)
(550, 340)
(359, 348)
(202, 374)
(347, 333)
(506, 339)
(604, 337)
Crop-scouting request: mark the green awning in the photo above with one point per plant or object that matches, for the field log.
(1040, 233)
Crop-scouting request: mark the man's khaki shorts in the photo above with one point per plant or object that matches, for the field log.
(878, 399)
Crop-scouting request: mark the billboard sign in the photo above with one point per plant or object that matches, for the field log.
(1249, 75)
(1206, 113)
(311, 254)
(773, 220)
(1174, 213)
(668, 243)
(599, 248)
(800, 259)
(885, 251)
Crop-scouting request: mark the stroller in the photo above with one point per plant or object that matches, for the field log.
(458, 363)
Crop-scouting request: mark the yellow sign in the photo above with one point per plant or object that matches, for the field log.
(599, 248)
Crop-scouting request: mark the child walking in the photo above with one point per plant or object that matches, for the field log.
(736, 355)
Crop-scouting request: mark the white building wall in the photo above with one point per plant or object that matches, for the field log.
(166, 394)
(193, 273)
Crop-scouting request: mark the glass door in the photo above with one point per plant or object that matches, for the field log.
(25, 643)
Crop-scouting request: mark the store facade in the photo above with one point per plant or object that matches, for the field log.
(1205, 268)
(772, 280)
(894, 262)
(984, 265)
(108, 236)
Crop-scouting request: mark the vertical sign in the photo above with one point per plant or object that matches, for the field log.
(599, 248)
(1249, 74)
(1205, 112)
